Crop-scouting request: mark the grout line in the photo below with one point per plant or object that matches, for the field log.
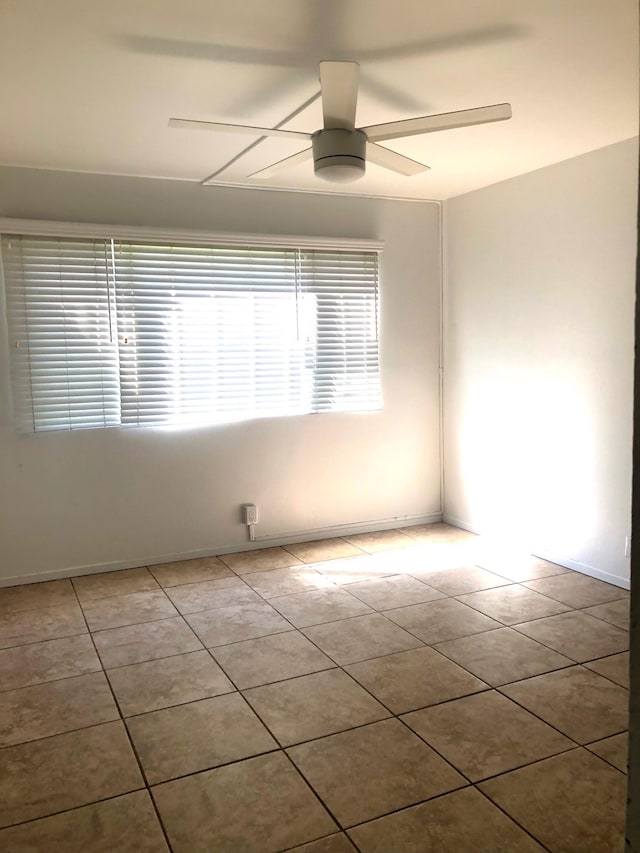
(434, 642)
(161, 657)
(312, 789)
(607, 677)
(60, 734)
(45, 640)
(315, 841)
(284, 746)
(467, 786)
(143, 789)
(512, 819)
(572, 747)
(439, 797)
(342, 669)
(568, 608)
(288, 548)
(95, 599)
(137, 622)
(129, 738)
(134, 624)
(392, 714)
(209, 649)
(209, 769)
(230, 692)
(535, 713)
(607, 760)
(109, 669)
(89, 672)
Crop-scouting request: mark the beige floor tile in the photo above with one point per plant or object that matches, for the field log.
(361, 638)
(501, 656)
(614, 612)
(129, 609)
(104, 585)
(578, 702)
(413, 558)
(338, 843)
(614, 749)
(190, 571)
(48, 661)
(460, 579)
(427, 557)
(267, 659)
(615, 668)
(516, 566)
(146, 641)
(440, 533)
(314, 706)
(414, 679)
(577, 635)
(189, 738)
(462, 822)
(513, 604)
(381, 540)
(209, 811)
(33, 596)
(323, 549)
(209, 595)
(245, 562)
(47, 623)
(370, 771)
(236, 623)
(442, 620)
(63, 772)
(58, 706)
(157, 684)
(122, 825)
(319, 605)
(577, 590)
(397, 591)
(486, 734)
(353, 569)
(286, 581)
(571, 802)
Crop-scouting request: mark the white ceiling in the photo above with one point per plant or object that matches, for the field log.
(89, 85)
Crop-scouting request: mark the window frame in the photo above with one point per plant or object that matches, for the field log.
(71, 230)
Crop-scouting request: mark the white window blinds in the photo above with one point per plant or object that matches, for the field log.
(108, 333)
(64, 362)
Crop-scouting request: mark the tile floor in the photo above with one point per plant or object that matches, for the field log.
(397, 692)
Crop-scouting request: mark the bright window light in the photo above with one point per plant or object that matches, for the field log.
(111, 333)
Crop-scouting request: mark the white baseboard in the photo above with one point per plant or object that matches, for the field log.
(348, 529)
(457, 522)
(269, 540)
(584, 568)
(552, 557)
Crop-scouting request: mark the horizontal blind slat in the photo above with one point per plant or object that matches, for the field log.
(63, 361)
(151, 333)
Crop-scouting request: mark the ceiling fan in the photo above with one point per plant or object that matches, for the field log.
(340, 150)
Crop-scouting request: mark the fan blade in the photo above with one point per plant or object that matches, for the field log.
(438, 44)
(211, 52)
(443, 121)
(274, 168)
(236, 128)
(339, 85)
(392, 160)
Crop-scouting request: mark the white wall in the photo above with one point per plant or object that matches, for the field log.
(102, 497)
(540, 276)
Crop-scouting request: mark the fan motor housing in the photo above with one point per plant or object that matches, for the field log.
(339, 154)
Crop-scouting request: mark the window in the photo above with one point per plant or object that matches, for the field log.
(106, 332)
